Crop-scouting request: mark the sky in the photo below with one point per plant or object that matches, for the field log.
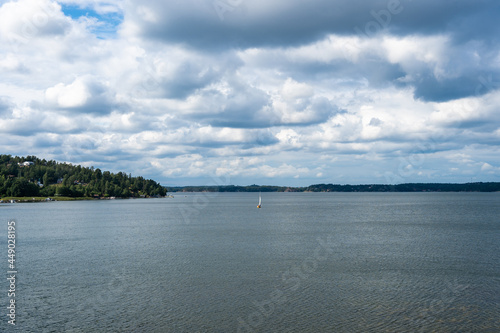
(282, 92)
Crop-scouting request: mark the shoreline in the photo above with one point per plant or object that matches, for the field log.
(7, 200)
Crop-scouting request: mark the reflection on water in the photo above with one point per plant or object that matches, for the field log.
(305, 262)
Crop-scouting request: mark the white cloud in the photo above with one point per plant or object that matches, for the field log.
(84, 94)
(415, 52)
(11, 64)
(73, 95)
(24, 20)
(486, 167)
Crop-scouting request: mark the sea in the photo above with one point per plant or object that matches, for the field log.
(214, 262)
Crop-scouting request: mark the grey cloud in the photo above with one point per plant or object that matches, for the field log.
(281, 24)
(102, 100)
(464, 79)
(250, 24)
(321, 109)
(190, 76)
(250, 107)
(186, 80)
(475, 126)
(429, 88)
(463, 20)
(375, 122)
(5, 106)
(20, 127)
(180, 76)
(376, 70)
(43, 141)
(263, 138)
(287, 23)
(246, 107)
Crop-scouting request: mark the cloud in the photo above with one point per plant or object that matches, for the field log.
(5, 106)
(184, 73)
(469, 114)
(486, 167)
(243, 106)
(11, 64)
(25, 20)
(258, 91)
(85, 94)
(246, 24)
(298, 104)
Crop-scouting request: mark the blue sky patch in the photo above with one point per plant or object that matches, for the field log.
(108, 23)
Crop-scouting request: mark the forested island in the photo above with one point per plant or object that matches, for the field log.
(33, 177)
(412, 187)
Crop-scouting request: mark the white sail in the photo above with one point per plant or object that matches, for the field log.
(260, 199)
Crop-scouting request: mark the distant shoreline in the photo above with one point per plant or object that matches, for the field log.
(409, 187)
(489, 187)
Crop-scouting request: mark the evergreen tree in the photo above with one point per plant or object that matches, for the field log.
(77, 181)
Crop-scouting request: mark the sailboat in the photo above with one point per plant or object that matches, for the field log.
(260, 201)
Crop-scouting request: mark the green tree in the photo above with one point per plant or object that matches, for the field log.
(125, 193)
(97, 174)
(48, 191)
(20, 180)
(22, 188)
(63, 191)
(46, 179)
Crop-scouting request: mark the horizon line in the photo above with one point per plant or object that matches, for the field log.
(374, 184)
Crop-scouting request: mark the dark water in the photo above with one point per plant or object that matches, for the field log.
(325, 262)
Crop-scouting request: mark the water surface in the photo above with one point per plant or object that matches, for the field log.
(305, 262)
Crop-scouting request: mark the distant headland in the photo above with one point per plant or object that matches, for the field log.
(33, 178)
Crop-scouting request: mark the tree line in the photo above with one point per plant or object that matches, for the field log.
(411, 187)
(30, 176)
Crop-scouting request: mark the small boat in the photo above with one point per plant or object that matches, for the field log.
(260, 201)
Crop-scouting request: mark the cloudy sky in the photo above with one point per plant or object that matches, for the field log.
(281, 92)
